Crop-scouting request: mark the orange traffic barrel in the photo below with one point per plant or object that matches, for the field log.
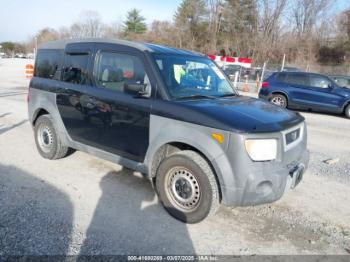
(29, 71)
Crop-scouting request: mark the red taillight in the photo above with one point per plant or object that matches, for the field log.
(264, 84)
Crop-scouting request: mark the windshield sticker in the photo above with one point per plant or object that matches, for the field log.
(218, 72)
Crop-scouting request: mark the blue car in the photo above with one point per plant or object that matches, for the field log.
(306, 91)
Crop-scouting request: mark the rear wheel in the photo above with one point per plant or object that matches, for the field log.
(279, 100)
(347, 111)
(187, 186)
(47, 141)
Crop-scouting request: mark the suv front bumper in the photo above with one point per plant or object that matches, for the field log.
(252, 183)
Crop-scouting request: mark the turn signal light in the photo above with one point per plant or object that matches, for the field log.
(218, 137)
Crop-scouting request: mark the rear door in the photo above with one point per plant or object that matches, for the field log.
(298, 84)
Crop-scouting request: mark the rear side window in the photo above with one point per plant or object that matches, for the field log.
(297, 79)
(49, 63)
(76, 68)
(281, 77)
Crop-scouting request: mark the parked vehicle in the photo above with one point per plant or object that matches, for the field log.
(230, 70)
(290, 69)
(169, 114)
(20, 55)
(308, 91)
(30, 56)
(343, 81)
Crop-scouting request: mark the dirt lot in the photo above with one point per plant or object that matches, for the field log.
(85, 205)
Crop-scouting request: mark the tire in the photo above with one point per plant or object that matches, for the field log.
(47, 141)
(187, 187)
(347, 111)
(279, 100)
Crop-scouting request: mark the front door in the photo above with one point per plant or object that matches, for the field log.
(102, 113)
(323, 97)
(298, 88)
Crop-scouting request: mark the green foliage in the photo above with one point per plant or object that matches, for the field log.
(240, 16)
(191, 21)
(134, 23)
(11, 47)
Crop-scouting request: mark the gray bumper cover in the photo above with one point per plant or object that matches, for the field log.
(252, 183)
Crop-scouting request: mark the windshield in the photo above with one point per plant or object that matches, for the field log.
(193, 77)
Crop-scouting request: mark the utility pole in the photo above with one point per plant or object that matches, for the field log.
(36, 46)
(283, 62)
(262, 76)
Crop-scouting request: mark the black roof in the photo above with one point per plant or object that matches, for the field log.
(61, 44)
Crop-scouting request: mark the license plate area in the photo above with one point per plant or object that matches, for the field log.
(296, 175)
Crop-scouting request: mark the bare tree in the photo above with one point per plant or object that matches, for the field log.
(270, 18)
(306, 14)
(216, 9)
(89, 25)
(270, 25)
(113, 30)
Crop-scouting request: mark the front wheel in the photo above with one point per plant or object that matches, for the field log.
(279, 100)
(347, 111)
(187, 186)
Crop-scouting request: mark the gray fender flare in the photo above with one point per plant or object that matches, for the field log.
(165, 131)
(47, 101)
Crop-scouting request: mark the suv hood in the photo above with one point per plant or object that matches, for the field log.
(239, 114)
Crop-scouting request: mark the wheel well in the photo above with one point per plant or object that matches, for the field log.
(39, 113)
(171, 148)
(346, 104)
(280, 93)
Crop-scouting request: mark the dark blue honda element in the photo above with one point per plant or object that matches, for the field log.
(170, 114)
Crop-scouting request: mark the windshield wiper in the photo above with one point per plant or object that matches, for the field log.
(197, 97)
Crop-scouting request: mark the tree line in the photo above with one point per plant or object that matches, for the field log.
(264, 30)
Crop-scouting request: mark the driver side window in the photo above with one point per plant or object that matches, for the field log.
(114, 70)
(319, 81)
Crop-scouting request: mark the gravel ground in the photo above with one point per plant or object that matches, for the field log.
(84, 205)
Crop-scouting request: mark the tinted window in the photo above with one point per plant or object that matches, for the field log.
(76, 69)
(49, 63)
(342, 81)
(319, 81)
(281, 77)
(297, 79)
(113, 70)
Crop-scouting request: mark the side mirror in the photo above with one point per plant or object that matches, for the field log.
(136, 89)
(330, 86)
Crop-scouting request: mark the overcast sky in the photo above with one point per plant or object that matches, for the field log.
(21, 19)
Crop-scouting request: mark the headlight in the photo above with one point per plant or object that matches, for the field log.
(261, 149)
